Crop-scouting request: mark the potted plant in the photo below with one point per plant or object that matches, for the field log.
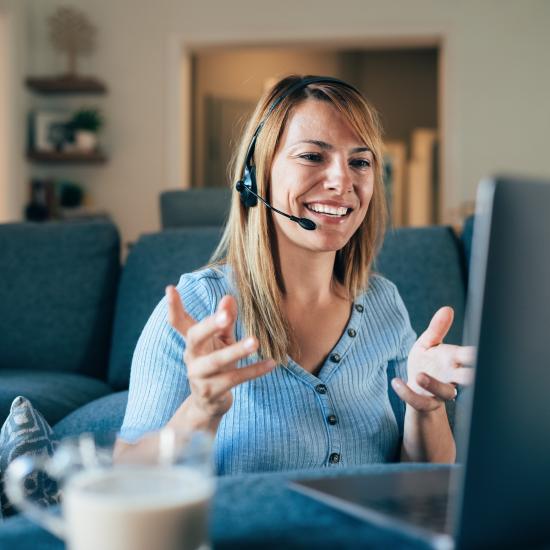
(86, 124)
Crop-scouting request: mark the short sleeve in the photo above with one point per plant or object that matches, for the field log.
(158, 379)
(407, 336)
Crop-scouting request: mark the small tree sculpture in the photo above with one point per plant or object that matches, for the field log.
(71, 32)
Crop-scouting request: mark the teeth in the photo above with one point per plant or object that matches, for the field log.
(325, 209)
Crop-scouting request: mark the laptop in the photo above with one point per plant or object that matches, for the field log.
(498, 494)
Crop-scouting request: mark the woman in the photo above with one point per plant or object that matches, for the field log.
(289, 342)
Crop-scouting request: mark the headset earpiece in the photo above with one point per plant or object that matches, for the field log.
(248, 183)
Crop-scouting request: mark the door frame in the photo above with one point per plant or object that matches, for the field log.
(179, 110)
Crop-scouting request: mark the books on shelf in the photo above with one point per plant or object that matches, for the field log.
(395, 159)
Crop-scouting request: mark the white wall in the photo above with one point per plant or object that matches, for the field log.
(496, 70)
(4, 110)
(13, 170)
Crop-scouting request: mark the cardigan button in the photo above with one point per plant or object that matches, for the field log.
(352, 333)
(321, 388)
(331, 418)
(335, 358)
(334, 458)
(359, 308)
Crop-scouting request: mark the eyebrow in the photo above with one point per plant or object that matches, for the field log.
(327, 146)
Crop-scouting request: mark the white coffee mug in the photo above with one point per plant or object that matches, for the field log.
(153, 496)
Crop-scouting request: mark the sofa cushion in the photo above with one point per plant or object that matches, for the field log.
(26, 432)
(427, 265)
(54, 394)
(154, 261)
(56, 298)
(102, 415)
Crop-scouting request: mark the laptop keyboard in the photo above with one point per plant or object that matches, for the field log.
(428, 511)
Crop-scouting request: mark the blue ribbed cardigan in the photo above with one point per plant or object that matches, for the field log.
(347, 414)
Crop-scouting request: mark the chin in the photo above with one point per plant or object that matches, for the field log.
(326, 243)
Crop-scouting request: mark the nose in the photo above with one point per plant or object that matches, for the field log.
(339, 177)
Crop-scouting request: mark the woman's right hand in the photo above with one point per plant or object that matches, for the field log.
(211, 356)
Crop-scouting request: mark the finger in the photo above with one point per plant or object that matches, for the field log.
(177, 316)
(235, 377)
(439, 326)
(463, 376)
(201, 332)
(228, 304)
(465, 355)
(441, 390)
(418, 402)
(221, 360)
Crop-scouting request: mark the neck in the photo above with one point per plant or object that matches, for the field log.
(307, 275)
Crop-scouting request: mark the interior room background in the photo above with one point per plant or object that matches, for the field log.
(176, 70)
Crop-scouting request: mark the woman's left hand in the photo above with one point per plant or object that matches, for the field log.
(434, 368)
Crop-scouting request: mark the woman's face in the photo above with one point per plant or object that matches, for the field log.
(321, 171)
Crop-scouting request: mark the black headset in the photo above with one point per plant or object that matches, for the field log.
(247, 185)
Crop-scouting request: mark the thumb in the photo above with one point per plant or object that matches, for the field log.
(438, 328)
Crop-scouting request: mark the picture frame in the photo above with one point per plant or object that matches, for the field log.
(50, 130)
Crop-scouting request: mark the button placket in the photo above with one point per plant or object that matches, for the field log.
(333, 442)
(334, 457)
(336, 357)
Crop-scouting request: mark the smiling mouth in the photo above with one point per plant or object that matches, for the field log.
(332, 211)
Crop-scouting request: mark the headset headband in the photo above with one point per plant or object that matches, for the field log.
(302, 83)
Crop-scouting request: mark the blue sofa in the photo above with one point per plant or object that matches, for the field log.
(70, 316)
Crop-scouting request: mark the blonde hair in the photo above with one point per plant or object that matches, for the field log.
(247, 241)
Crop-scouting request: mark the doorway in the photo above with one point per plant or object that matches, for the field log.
(402, 84)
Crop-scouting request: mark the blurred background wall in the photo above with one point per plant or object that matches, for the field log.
(493, 79)
(13, 109)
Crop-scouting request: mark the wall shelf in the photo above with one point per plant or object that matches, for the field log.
(59, 85)
(76, 157)
(47, 131)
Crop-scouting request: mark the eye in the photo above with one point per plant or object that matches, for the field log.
(312, 157)
(361, 163)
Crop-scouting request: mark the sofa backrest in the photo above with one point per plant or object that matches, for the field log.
(426, 264)
(155, 261)
(57, 293)
(200, 207)
(467, 238)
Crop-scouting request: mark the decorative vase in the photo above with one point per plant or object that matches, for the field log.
(86, 141)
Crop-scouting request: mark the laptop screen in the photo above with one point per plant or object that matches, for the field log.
(506, 450)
